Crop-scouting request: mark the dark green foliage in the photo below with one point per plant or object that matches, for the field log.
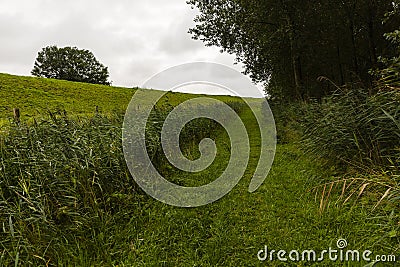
(71, 64)
(389, 76)
(361, 127)
(289, 120)
(289, 44)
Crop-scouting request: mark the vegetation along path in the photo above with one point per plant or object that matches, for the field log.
(282, 214)
(72, 205)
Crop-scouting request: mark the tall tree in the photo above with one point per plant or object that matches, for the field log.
(288, 44)
(70, 63)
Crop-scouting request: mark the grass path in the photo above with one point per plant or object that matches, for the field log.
(282, 214)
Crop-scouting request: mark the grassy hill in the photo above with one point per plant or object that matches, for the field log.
(33, 96)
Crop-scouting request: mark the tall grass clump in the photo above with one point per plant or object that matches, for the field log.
(358, 126)
(359, 134)
(354, 128)
(64, 184)
(57, 178)
(358, 130)
(189, 138)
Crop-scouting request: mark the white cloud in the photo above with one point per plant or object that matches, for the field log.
(177, 40)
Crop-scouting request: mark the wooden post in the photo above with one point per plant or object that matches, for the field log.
(17, 114)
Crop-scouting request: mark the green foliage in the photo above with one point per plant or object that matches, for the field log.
(389, 77)
(56, 177)
(289, 120)
(289, 44)
(356, 129)
(67, 199)
(71, 64)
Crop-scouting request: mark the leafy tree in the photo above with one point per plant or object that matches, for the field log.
(289, 44)
(71, 64)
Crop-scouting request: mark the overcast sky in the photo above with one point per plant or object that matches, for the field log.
(135, 39)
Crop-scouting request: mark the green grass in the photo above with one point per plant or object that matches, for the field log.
(33, 95)
(66, 197)
(36, 95)
(282, 214)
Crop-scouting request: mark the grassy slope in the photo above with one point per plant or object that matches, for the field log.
(36, 95)
(230, 232)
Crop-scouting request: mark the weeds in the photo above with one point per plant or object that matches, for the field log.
(62, 179)
(58, 174)
(355, 129)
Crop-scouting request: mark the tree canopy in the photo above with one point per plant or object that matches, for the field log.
(71, 64)
(289, 44)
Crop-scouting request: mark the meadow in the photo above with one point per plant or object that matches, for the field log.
(67, 198)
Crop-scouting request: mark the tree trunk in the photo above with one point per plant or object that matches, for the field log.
(371, 35)
(350, 9)
(296, 64)
(17, 114)
(354, 47)
(340, 65)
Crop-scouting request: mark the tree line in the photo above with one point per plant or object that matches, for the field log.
(290, 45)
